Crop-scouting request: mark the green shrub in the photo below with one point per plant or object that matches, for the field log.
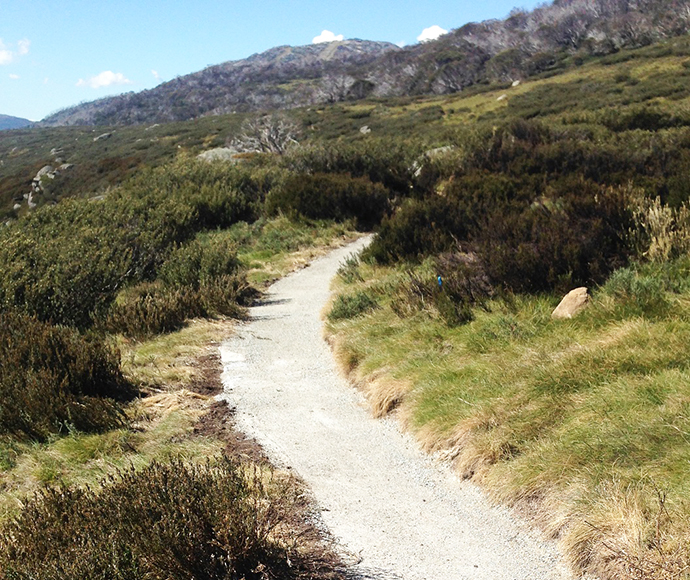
(331, 196)
(167, 522)
(539, 209)
(226, 295)
(385, 161)
(195, 263)
(350, 306)
(53, 379)
(417, 229)
(456, 286)
(67, 263)
(151, 308)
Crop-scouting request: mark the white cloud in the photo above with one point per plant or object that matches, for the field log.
(14, 77)
(327, 36)
(155, 74)
(105, 79)
(23, 46)
(401, 44)
(431, 33)
(7, 55)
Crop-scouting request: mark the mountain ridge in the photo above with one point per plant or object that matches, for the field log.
(494, 51)
(233, 86)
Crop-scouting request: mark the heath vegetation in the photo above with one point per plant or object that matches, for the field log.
(486, 208)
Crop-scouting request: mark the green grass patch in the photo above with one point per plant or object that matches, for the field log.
(272, 248)
(583, 417)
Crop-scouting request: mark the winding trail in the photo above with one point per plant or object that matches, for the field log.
(403, 516)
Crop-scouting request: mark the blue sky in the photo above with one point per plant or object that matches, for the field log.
(56, 54)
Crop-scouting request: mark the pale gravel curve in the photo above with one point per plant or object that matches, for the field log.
(405, 516)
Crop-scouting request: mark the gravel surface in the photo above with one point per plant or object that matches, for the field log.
(399, 513)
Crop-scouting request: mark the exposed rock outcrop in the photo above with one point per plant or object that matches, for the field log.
(219, 154)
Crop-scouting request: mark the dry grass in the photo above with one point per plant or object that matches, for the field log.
(171, 360)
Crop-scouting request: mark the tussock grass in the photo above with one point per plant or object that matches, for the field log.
(584, 424)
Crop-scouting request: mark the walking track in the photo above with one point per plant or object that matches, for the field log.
(403, 516)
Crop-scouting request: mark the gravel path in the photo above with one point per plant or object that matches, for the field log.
(402, 515)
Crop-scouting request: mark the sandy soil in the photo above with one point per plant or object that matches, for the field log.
(401, 515)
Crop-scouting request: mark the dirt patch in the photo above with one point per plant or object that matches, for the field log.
(218, 423)
(206, 380)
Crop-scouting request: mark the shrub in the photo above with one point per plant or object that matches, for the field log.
(67, 263)
(325, 196)
(195, 263)
(167, 522)
(456, 287)
(577, 240)
(53, 379)
(417, 229)
(350, 306)
(226, 295)
(659, 232)
(152, 308)
(383, 161)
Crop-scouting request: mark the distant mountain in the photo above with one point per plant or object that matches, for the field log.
(282, 77)
(8, 122)
(524, 44)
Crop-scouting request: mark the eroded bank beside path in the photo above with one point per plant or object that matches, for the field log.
(401, 515)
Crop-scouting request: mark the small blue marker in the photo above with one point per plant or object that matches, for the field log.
(440, 282)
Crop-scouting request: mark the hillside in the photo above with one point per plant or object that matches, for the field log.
(547, 39)
(512, 193)
(9, 122)
(280, 78)
(646, 87)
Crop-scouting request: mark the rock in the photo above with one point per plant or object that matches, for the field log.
(573, 302)
(430, 155)
(17, 206)
(218, 154)
(502, 97)
(515, 84)
(47, 171)
(38, 183)
(103, 137)
(66, 166)
(55, 151)
(365, 130)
